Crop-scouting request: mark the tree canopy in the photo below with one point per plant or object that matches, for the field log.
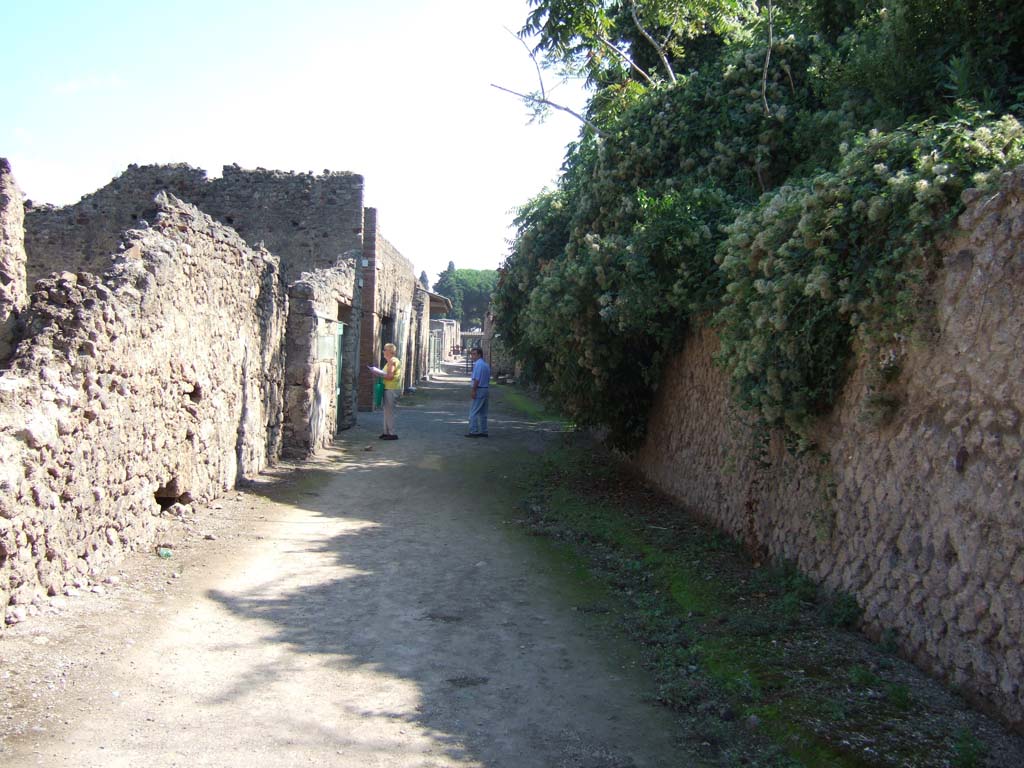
(609, 41)
(470, 293)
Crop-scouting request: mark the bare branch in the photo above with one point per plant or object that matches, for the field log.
(626, 59)
(767, 59)
(543, 100)
(533, 57)
(653, 42)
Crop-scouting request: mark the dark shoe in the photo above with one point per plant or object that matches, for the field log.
(391, 437)
(383, 437)
(472, 434)
(482, 434)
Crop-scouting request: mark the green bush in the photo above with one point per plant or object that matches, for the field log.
(796, 206)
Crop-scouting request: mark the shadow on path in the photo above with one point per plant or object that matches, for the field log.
(422, 608)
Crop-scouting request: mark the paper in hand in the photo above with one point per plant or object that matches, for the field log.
(376, 370)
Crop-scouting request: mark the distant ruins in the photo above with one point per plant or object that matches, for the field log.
(182, 334)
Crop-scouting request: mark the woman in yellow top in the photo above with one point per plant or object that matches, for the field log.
(392, 375)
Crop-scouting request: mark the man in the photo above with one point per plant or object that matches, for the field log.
(481, 381)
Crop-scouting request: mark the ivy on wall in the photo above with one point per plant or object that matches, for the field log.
(791, 206)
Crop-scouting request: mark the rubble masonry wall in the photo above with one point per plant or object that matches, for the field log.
(131, 392)
(308, 221)
(13, 291)
(318, 303)
(921, 518)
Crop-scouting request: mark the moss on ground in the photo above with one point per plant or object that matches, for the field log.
(763, 668)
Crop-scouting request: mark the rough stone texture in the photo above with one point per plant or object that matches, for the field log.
(919, 518)
(84, 236)
(309, 222)
(131, 391)
(13, 293)
(320, 310)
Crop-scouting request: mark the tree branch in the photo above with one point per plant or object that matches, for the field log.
(653, 42)
(625, 58)
(767, 59)
(533, 58)
(545, 101)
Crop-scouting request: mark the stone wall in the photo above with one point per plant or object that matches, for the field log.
(130, 392)
(84, 236)
(389, 294)
(308, 221)
(13, 292)
(311, 223)
(321, 308)
(919, 517)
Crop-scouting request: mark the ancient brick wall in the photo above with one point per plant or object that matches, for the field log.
(919, 517)
(13, 292)
(389, 293)
(321, 308)
(130, 391)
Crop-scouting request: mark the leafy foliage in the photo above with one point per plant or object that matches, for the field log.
(794, 204)
(842, 253)
(584, 35)
(470, 292)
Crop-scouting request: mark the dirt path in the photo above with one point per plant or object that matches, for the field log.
(373, 608)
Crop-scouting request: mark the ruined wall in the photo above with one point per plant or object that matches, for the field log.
(131, 391)
(421, 334)
(13, 292)
(308, 221)
(919, 518)
(83, 236)
(322, 305)
(391, 286)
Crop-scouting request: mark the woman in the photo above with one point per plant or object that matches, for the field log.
(392, 375)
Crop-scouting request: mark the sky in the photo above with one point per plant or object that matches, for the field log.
(398, 91)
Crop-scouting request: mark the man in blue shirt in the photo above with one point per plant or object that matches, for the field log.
(481, 381)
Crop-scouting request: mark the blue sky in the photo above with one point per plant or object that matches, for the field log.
(397, 90)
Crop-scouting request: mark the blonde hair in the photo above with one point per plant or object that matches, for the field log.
(389, 347)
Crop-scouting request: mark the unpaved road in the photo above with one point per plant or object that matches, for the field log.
(375, 607)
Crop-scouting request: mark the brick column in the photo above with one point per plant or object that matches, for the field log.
(369, 331)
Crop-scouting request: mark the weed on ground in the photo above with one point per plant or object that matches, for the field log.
(762, 666)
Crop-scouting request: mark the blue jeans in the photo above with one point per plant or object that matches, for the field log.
(478, 413)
